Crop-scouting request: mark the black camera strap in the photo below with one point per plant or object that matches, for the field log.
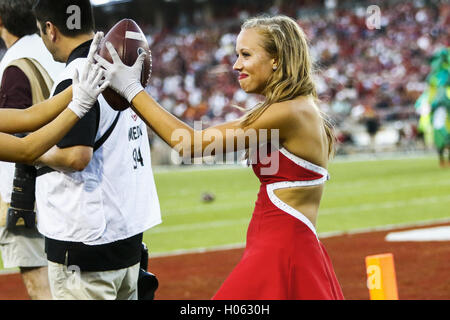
(102, 140)
(97, 145)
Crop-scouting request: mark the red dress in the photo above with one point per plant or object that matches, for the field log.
(283, 258)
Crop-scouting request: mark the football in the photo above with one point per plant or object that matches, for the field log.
(129, 41)
(208, 197)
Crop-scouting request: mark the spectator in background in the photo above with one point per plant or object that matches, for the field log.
(372, 124)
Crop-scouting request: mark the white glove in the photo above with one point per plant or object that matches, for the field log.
(123, 79)
(94, 46)
(86, 88)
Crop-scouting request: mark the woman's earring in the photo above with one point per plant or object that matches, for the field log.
(274, 68)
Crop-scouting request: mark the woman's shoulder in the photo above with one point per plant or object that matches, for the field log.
(287, 115)
(298, 109)
(305, 136)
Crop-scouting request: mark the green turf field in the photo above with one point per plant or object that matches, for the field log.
(360, 194)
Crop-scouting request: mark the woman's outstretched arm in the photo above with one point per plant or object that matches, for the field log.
(36, 116)
(85, 92)
(28, 149)
(227, 137)
(178, 134)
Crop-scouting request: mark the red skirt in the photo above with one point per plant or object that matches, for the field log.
(283, 260)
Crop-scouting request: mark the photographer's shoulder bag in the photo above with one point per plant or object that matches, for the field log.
(21, 209)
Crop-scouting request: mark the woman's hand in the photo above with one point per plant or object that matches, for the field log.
(86, 88)
(123, 79)
(94, 46)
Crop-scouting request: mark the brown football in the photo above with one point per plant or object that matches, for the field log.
(129, 41)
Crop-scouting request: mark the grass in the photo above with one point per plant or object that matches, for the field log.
(360, 194)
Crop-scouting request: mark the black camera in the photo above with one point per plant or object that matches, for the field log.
(22, 197)
(147, 281)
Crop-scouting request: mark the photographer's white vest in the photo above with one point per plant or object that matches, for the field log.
(30, 46)
(114, 197)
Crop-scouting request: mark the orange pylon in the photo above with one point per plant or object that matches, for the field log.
(381, 279)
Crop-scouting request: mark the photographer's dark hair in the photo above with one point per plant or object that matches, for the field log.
(58, 12)
(17, 17)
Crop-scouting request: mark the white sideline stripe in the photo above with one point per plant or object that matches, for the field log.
(388, 156)
(9, 271)
(198, 167)
(198, 250)
(351, 185)
(387, 227)
(201, 225)
(385, 205)
(429, 234)
(205, 208)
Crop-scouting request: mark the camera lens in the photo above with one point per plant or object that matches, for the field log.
(23, 193)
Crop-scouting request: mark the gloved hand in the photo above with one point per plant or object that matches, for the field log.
(86, 88)
(94, 46)
(123, 79)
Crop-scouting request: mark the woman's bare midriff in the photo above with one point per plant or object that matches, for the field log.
(306, 200)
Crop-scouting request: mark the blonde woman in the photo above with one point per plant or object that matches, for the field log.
(284, 258)
(67, 107)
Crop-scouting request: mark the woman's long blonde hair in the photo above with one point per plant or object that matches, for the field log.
(284, 40)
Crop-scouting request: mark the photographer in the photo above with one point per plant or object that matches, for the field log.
(26, 73)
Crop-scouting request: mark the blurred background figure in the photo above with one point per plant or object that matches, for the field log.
(372, 125)
(434, 104)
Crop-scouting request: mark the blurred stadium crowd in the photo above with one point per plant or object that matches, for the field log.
(364, 76)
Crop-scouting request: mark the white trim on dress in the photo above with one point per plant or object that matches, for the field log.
(270, 188)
